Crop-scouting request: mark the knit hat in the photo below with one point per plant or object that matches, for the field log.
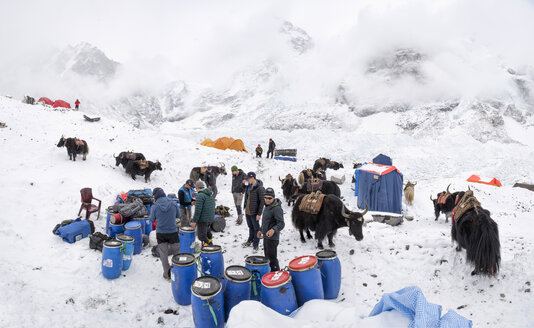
(269, 192)
(158, 193)
(234, 168)
(251, 175)
(200, 185)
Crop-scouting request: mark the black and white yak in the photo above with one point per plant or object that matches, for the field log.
(478, 234)
(133, 168)
(325, 163)
(332, 216)
(444, 203)
(74, 147)
(197, 173)
(290, 189)
(127, 156)
(308, 174)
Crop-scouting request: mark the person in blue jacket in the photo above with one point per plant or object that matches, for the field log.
(165, 212)
(185, 197)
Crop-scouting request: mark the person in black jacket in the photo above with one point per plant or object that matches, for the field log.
(272, 146)
(253, 209)
(211, 181)
(271, 225)
(238, 188)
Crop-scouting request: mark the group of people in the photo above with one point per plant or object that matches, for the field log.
(251, 199)
(270, 151)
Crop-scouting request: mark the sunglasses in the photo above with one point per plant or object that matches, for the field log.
(268, 198)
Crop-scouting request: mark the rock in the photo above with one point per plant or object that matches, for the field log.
(407, 247)
(502, 295)
(351, 252)
(374, 275)
(461, 307)
(527, 290)
(160, 321)
(364, 284)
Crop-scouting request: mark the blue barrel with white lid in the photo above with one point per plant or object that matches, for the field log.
(133, 228)
(258, 265)
(187, 240)
(330, 268)
(128, 248)
(212, 261)
(112, 259)
(236, 287)
(277, 292)
(183, 273)
(207, 302)
(306, 279)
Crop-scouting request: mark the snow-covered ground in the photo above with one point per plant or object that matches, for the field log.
(46, 282)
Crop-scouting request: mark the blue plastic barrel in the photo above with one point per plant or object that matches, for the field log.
(258, 265)
(109, 213)
(148, 226)
(143, 224)
(183, 273)
(207, 302)
(115, 229)
(112, 259)
(212, 261)
(306, 279)
(330, 268)
(277, 292)
(133, 228)
(237, 287)
(128, 248)
(148, 207)
(187, 240)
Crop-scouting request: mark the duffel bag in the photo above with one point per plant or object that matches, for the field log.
(96, 240)
(76, 230)
(218, 224)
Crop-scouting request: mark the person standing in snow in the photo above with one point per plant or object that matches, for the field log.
(272, 146)
(271, 224)
(238, 187)
(259, 151)
(253, 208)
(204, 214)
(165, 212)
(211, 181)
(185, 198)
(77, 104)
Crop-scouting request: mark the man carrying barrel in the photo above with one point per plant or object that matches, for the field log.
(185, 197)
(271, 224)
(204, 214)
(165, 212)
(253, 208)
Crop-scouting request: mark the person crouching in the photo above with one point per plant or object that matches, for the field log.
(204, 214)
(165, 212)
(271, 224)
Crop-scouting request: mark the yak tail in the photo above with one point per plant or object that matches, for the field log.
(484, 249)
(301, 179)
(86, 149)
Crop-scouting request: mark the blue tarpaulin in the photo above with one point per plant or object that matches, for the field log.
(411, 302)
(380, 186)
(383, 159)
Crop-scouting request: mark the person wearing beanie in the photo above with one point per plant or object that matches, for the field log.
(165, 212)
(185, 198)
(238, 188)
(272, 146)
(204, 214)
(259, 151)
(271, 224)
(253, 208)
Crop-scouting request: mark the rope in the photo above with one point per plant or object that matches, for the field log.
(255, 275)
(212, 312)
(199, 266)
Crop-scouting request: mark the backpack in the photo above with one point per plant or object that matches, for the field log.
(218, 224)
(144, 194)
(96, 240)
(75, 230)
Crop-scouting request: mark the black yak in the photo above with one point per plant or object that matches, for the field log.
(197, 173)
(126, 156)
(307, 174)
(325, 163)
(74, 146)
(444, 203)
(478, 234)
(332, 216)
(145, 168)
(290, 188)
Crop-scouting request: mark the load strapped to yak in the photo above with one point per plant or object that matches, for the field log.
(312, 203)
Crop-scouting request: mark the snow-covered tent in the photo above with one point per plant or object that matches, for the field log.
(60, 103)
(380, 186)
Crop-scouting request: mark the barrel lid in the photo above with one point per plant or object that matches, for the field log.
(303, 263)
(126, 238)
(275, 278)
(187, 229)
(132, 225)
(326, 254)
(238, 273)
(206, 286)
(211, 249)
(116, 224)
(112, 243)
(257, 260)
(183, 259)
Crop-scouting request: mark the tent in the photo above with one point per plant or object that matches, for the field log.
(382, 159)
(208, 143)
(488, 181)
(224, 143)
(60, 103)
(380, 186)
(46, 101)
(237, 145)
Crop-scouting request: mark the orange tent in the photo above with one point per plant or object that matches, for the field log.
(238, 145)
(224, 143)
(208, 143)
(488, 181)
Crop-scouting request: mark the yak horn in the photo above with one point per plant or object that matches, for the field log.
(114, 155)
(431, 198)
(345, 215)
(366, 209)
(468, 187)
(448, 192)
(415, 183)
(279, 179)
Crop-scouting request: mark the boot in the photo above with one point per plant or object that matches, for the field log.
(239, 219)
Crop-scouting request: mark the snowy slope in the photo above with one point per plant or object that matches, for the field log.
(49, 282)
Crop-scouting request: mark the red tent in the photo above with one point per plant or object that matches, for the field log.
(46, 101)
(61, 103)
(484, 180)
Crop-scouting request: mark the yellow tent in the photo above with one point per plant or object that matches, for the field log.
(224, 143)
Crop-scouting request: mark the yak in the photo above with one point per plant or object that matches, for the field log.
(325, 163)
(126, 156)
(409, 192)
(74, 146)
(478, 234)
(444, 203)
(134, 168)
(197, 173)
(290, 188)
(332, 216)
(307, 174)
